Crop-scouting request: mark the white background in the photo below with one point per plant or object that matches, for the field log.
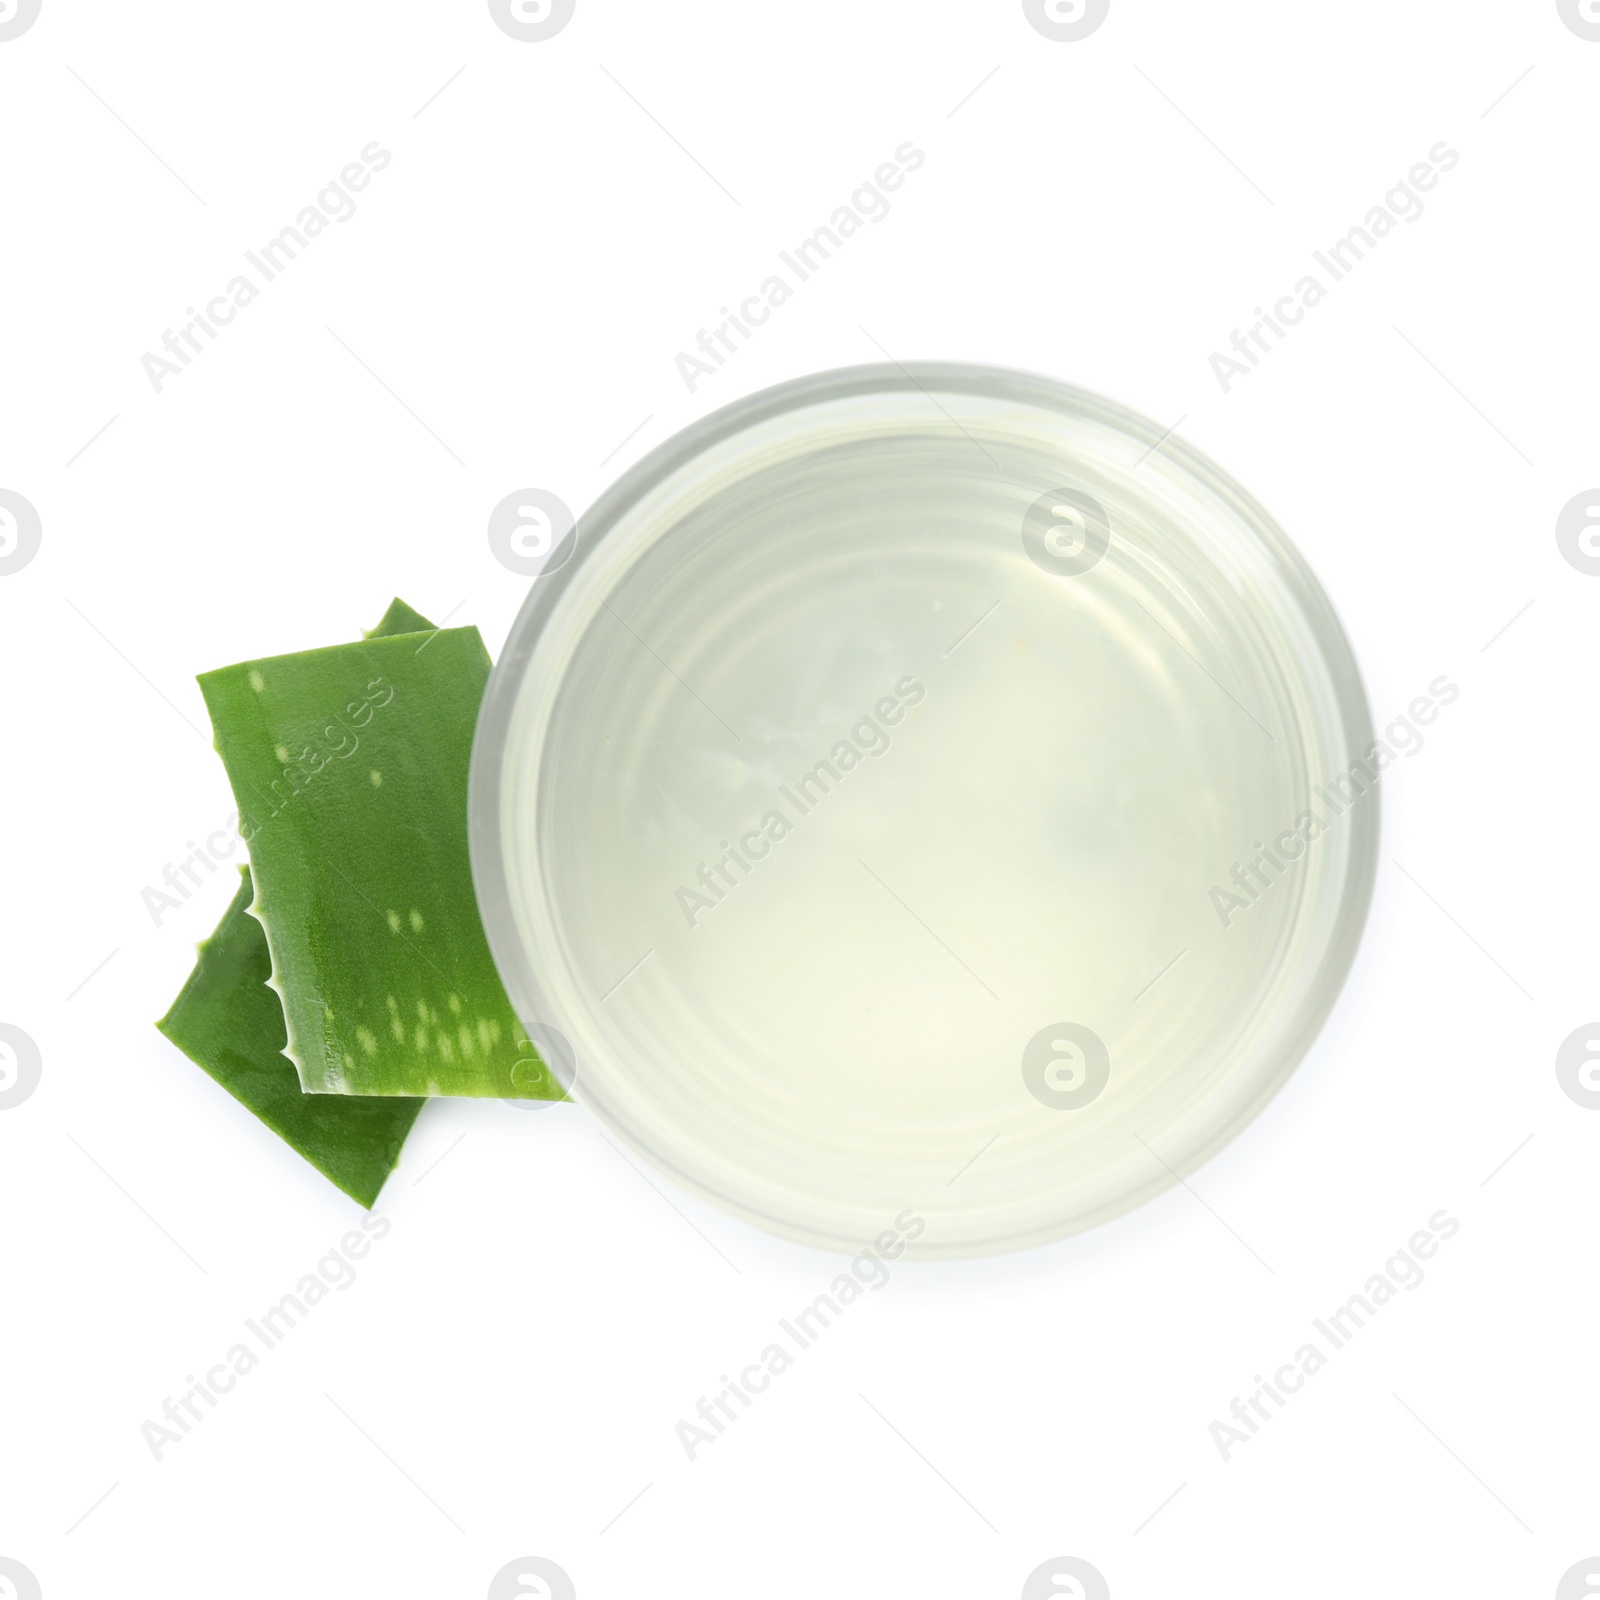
(520, 279)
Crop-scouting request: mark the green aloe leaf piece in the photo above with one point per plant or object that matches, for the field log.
(399, 618)
(229, 1022)
(349, 766)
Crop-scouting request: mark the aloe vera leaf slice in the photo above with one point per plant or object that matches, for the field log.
(349, 766)
(228, 1022)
